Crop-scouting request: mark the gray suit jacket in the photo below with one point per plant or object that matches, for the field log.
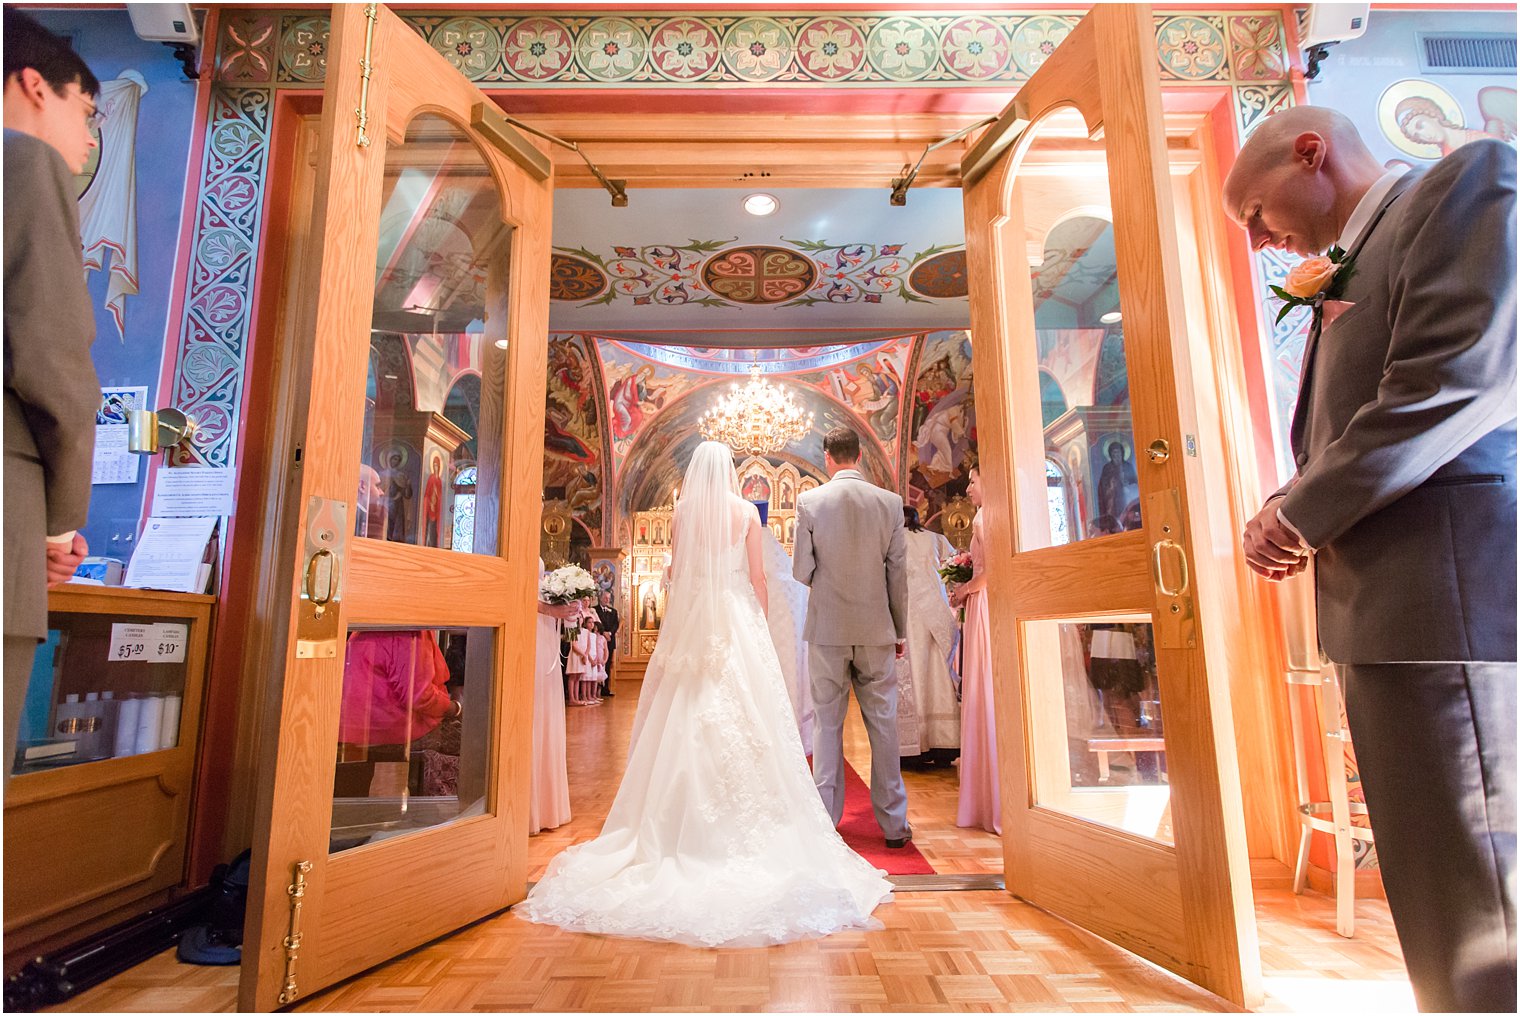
(51, 392)
(1404, 434)
(850, 549)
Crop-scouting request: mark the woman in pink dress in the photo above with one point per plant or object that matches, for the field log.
(549, 785)
(979, 802)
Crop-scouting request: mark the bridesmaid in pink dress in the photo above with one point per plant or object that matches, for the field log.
(549, 783)
(979, 801)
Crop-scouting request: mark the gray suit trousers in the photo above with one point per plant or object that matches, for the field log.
(1436, 746)
(872, 671)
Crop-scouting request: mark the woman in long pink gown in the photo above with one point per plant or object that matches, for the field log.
(979, 802)
(549, 782)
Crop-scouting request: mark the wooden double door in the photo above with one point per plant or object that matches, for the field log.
(413, 425)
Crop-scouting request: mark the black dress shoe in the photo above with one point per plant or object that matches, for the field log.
(899, 844)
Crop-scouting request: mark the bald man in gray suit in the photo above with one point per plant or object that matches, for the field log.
(851, 551)
(1404, 499)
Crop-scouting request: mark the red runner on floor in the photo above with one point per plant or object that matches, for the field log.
(859, 830)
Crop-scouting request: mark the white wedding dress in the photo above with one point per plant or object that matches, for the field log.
(717, 836)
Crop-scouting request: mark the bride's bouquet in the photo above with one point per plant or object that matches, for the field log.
(566, 585)
(956, 570)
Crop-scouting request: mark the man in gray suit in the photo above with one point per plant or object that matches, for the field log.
(51, 392)
(1404, 498)
(850, 550)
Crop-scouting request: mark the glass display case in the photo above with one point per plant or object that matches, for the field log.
(98, 806)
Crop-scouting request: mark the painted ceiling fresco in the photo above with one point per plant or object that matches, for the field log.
(695, 261)
(622, 416)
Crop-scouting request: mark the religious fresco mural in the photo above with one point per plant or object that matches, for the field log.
(726, 273)
(574, 460)
(942, 424)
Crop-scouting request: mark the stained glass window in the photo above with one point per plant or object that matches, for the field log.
(464, 510)
(1055, 496)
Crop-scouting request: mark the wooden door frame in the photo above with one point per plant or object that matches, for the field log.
(329, 469)
(274, 467)
(1210, 935)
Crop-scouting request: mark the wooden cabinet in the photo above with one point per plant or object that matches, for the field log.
(97, 834)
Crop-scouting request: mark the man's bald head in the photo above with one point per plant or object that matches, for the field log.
(1297, 179)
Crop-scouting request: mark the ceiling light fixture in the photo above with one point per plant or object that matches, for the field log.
(756, 418)
(1113, 317)
(761, 204)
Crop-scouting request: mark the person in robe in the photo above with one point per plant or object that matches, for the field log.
(931, 639)
(398, 491)
(1117, 484)
(786, 610)
(649, 611)
(432, 501)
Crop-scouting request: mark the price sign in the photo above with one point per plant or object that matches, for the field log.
(154, 643)
(128, 642)
(166, 642)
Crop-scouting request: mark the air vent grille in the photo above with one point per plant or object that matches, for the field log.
(1469, 53)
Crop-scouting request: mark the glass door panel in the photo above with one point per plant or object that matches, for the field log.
(414, 737)
(1079, 354)
(1099, 743)
(442, 247)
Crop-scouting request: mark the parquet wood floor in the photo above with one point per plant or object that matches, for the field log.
(936, 952)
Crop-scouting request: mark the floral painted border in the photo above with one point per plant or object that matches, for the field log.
(678, 49)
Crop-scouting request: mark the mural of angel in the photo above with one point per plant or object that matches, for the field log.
(944, 439)
(1425, 120)
(560, 437)
(875, 393)
(632, 397)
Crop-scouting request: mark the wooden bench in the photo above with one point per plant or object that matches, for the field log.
(1103, 745)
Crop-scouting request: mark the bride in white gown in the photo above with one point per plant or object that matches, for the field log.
(717, 836)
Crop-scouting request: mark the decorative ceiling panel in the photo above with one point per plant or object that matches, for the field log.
(694, 260)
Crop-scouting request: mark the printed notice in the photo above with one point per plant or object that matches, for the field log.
(169, 554)
(192, 491)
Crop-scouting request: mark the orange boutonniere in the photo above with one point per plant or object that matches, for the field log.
(1313, 281)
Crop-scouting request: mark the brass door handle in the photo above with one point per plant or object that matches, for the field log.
(1182, 587)
(313, 567)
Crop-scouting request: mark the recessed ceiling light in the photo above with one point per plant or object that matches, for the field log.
(761, 204)
(1111, 318)
(501, 343)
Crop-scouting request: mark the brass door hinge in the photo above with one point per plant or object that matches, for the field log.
(297, 893)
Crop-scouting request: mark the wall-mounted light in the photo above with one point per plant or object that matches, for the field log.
(149, 432)
(761, 204)
(1113, 317)
(501, 343)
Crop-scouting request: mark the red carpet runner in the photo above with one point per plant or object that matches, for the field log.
(858, 828)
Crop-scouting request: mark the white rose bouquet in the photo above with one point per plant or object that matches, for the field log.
(567, 585)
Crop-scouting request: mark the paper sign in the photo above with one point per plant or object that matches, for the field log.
(193, 491)
(113, 463)
(128, 642)
(166, 642)
(169, 554)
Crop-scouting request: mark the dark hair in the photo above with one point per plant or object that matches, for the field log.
(910, 519)
(842, 445)
(28, 44)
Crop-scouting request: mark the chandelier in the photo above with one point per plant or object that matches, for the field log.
(756, 418)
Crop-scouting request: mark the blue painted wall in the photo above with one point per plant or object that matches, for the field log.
(106, 41)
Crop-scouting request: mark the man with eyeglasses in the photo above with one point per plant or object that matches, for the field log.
(51, 391)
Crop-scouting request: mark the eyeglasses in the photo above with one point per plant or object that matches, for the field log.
(94, 116)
